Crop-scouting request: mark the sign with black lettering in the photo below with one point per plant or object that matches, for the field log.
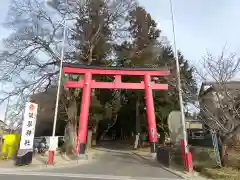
(28, 127)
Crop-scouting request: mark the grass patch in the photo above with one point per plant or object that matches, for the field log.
(144, 149)
(227, 173)
(204, 162)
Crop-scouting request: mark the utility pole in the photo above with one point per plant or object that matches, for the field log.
(53, 4)
(179, 85)
(6, 111)
(187, 156)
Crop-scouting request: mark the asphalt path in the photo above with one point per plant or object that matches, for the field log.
(120, 164)
(108, 164)
(39, 177)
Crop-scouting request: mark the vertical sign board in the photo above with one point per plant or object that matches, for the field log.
(25, 152)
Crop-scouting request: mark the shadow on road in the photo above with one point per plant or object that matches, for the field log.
(114, 145)
(118, 159)
(121, 150)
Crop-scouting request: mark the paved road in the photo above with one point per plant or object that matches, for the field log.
(27, 177)
(118, 165)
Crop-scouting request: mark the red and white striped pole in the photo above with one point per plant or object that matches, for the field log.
(51, 153)
(187, 156)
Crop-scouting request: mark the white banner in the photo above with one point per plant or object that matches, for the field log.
(28, 126)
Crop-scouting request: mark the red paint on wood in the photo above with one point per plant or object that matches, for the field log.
(72, 70)
(115, 85)
(83, 120)
(182, 150)
(188, 162)
(50, 157)
(88, 83)
(152, 127)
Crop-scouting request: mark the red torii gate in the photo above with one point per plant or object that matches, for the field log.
(88, 83)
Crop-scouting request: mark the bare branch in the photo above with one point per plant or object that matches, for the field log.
(30, 59)
(219, 94)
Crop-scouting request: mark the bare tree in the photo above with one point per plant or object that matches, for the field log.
(221, 112)
(30, 57)
(29, 62)
(219, 97)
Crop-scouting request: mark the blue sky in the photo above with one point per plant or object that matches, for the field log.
(3, 12)
(201, 25)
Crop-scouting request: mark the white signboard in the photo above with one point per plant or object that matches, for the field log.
(53, 145)
(28, 126)
(175, 126)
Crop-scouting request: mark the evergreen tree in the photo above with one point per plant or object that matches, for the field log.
(93, 42)
(93, 34)
(145, 50)
(139, 52)
(167, 101)
(144, 32)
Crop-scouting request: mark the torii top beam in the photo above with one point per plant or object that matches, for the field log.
(70, 68)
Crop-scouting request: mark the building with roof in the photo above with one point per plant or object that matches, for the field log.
(215, 98)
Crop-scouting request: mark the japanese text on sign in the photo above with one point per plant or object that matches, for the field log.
(28, 127)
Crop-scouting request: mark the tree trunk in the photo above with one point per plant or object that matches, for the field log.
(109, 127)
(137, 135)
(70, 134)
(223, 152)
(70, 137)
(75, 132)
(89, 139)
(94, 133)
